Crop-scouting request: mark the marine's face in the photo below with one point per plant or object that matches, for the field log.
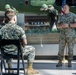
(66, 9)
(11, 13)
(45, 9)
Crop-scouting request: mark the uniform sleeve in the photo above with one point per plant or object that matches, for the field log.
(23, 37)
(74, 19)
(59, 20)
(56, 12)
(22, 34)
(0, 32)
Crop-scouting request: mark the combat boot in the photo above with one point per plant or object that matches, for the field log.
(10, 66)
(59, 63)
(69, 63)
(30, 70)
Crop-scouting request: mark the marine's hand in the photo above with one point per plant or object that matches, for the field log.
(73, 25)
(45, 9)
(41, 9)
(55, 18)
(59, 26)
(65, 26)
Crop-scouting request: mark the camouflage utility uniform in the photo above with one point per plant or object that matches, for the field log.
(53, 17)
(13, 31)
(67, 35)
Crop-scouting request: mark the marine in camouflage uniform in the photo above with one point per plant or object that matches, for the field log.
(67, 35)
(13, 31)
(52, 14)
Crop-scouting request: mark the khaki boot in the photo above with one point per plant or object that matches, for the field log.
(30, 70)
(59, 63)
(69, 64)
(10, 66)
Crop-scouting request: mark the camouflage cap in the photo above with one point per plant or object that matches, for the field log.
(10, 14)
(44, 6)
(7, 6)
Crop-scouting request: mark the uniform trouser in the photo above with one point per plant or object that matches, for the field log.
(52, 23)
(70, 44)
(27, 50)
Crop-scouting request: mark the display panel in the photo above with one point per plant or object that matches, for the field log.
(40, 2)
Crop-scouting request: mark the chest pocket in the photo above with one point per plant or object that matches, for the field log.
(70, 19)
(67, 20)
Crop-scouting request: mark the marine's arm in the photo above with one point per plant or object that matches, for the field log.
(73, 25)
(24, 40)
(23, 37)
(59, 24)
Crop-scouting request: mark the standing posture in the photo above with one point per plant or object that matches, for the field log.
(66, 24)
(13, 31)
(52, 16)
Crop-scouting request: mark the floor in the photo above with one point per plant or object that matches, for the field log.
(48, 67)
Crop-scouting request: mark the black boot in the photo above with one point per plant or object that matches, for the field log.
(69, 63)
(59, 63)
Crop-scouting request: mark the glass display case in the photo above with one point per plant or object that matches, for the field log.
(37, 23)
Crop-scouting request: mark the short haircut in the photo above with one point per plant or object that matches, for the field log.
(9, 17)
(67, 5)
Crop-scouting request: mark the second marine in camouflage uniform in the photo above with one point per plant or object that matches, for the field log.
(66, 36)
(52, 14)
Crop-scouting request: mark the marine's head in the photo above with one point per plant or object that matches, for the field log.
(66, 9)
(10, 14)
(50, 7)
(44, 7)
(7, 7)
